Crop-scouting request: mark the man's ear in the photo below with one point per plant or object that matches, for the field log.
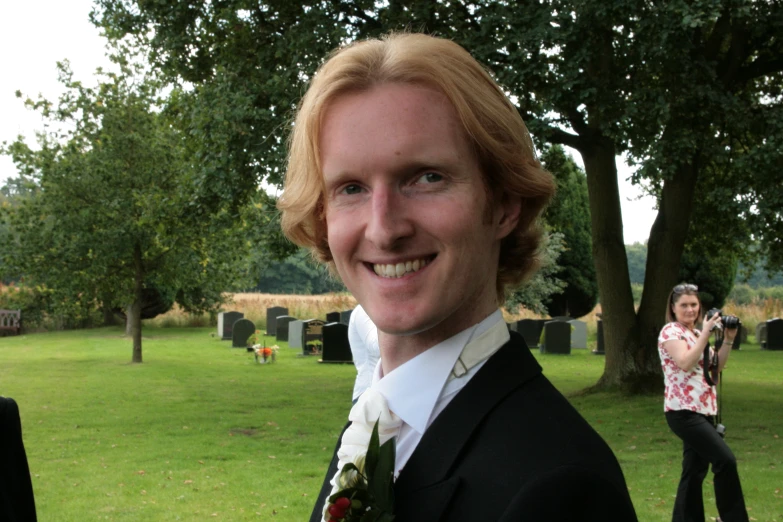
(508, 215)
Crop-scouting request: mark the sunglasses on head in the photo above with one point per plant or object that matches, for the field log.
(685, 287)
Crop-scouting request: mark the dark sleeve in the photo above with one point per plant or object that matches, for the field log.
(571, 494)
(16, 488)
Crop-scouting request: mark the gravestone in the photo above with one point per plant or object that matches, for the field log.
(761, 335)
(333, 317)
(345, 316)
(578, 334)
(775, 334)
(271, 318)
(562, 318)
(530, 330)
(296, 334)
(743, 334)
(226, 322)
(281, 329)
(336, 348)
(243, 329)
(556, 338)
(599, 350)
(312, 330)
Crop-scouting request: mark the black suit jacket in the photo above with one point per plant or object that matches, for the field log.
(16, 488)
(509, 447)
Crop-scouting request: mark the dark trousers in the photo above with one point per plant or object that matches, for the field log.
(702, 446)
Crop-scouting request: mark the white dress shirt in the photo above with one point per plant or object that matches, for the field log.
(420, 389)
(363, 338)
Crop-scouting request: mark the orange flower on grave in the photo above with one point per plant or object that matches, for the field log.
(267, 352)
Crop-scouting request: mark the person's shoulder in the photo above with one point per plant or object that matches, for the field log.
(592, 496)
(673, 330)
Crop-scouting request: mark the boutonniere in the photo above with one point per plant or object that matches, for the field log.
(366, 491)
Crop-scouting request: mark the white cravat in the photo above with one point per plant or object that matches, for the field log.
(370, 407)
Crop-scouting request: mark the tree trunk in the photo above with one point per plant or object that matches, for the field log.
(134, 311)
(623, 371)
(664, 252)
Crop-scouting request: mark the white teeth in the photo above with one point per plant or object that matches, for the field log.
(399, 269)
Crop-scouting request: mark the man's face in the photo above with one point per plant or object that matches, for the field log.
(405, 212)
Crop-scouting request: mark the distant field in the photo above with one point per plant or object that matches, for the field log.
(199, 431)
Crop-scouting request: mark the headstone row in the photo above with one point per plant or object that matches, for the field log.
(534, 330)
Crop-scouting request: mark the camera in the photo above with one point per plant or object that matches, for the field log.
(731, 322)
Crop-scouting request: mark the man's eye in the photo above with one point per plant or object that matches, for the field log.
(352, 189)
(430, 177)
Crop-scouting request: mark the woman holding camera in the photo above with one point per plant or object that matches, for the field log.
(690, 406)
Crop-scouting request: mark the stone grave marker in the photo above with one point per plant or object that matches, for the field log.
(226, 322)
(345, 316)
(556, 338)
(578, 334)
(530, 330)
(281, 329)
(333, 317)
(271, 318)
(775, 334)
(761, 335)
(296, 334)
(336, 348)
(243, 329)
(312, 331)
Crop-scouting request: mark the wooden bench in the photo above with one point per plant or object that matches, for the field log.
(11, 320)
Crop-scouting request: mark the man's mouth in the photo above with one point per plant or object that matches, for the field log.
(401, 269)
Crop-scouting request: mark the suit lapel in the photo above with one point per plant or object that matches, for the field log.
(444, 441)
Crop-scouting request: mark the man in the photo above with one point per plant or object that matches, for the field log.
(414, 178)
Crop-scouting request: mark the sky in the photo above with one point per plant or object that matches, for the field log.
(36, 34)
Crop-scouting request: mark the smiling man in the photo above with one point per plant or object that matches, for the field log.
(413, 176)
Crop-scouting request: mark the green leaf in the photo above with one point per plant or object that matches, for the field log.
(371, 460)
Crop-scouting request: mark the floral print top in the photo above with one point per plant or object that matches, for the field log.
(684, 390)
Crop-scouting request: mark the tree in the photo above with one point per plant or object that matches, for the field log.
(569, 214)
(113, 215)
(534, 293)
(691, 90)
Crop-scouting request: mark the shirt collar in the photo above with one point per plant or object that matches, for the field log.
(412, 389)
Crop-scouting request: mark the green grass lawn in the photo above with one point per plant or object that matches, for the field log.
(199, 431)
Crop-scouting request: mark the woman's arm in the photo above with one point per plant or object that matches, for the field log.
(685, 357)
(725, 349)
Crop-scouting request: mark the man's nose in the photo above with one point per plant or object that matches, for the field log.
(389, 219)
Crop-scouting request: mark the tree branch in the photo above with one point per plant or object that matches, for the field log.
(562, 137)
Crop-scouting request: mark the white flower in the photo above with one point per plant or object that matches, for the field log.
(369, 409)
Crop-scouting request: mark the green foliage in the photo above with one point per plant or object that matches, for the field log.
(298, 274)
(637, 259)
(112, 208)
(713, 272)
(532, 294)
(569, 214)
(744, 294)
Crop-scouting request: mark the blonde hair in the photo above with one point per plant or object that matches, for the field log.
(499, 137)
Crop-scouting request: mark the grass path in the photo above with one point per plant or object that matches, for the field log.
(201, 432)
